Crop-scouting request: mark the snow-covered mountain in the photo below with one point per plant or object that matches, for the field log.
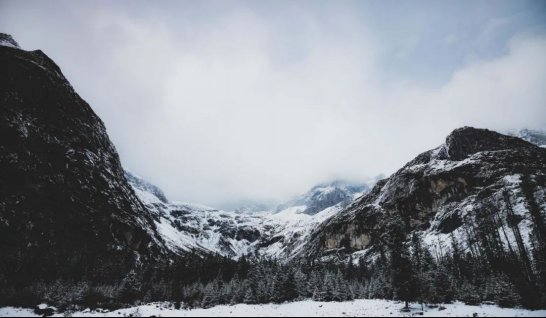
(326, 195)
(279, 233)
(438, 193)
(63, 194)
(7, 41)
(71, 216)
(477, 188)
(537, 137)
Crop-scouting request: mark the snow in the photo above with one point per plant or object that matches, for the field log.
(205, 228)
(8, 44)
(174, 238)
(296, 227)
(437, 165)
(147, 197)
(292, 214)
(356, 308)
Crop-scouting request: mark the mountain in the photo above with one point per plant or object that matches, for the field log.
(66, 208)
(68, 205)
(463, 221)
(143, 188)
(76, 228)
(326, 195)
(279, 233)
(536, 137)
(476, 175)
(8, 41)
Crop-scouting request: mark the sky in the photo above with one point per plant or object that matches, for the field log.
(231, 102)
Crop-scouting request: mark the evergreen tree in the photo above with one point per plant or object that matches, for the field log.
(314, 283)
(284, 289)
(469, 294)
(131, 288)
(250, 296)
(318, 294)
(506, 295)
(176, 295)
(439, 287)
(329, 286)
(402, 273)
(341, 291)
(301, 282)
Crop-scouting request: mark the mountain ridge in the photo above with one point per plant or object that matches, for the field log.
(71, 216)
(63, 192)
(440, 178)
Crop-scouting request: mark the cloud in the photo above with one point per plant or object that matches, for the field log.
(254, 106)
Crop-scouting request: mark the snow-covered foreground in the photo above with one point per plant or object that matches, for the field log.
(358, 308)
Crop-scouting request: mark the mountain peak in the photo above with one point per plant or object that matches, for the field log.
(327, 194)
(7, 40)
(465, 141)
(537, 137)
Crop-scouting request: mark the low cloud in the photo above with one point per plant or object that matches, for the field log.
(244, 108)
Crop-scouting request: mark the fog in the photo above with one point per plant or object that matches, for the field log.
(228, 102)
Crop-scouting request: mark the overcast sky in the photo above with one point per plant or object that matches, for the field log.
(226, 101)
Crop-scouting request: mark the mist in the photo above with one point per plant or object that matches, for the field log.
(228, 102)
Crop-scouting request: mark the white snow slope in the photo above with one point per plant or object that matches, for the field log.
(356, 308)
(275, 234)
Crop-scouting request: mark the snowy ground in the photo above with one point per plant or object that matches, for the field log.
(361, 308)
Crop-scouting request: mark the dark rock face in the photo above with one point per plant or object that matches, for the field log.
(467, 141)
(64, 201)
(476, 171)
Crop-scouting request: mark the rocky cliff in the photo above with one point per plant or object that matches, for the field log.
(477, 173)
(66, 209)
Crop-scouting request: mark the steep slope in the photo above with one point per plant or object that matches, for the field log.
(144, 188)
(478, 178)
(65, 203)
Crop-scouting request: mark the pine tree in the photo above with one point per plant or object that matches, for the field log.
(314, 283)
(318, 294)
(237, 290)
(176, 295)
(402, 273)
(506, 295)
(301, 282)
(350, 271)
(284, 289)
(131, 288)
(250, 296)
(417, 258)
(329, 286)
(341, 290)
(469, 294)
(442, 286)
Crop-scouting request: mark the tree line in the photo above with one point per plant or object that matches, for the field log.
(490, 262)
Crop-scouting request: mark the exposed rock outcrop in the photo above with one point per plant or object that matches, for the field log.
(476, 171)
(64, 197)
